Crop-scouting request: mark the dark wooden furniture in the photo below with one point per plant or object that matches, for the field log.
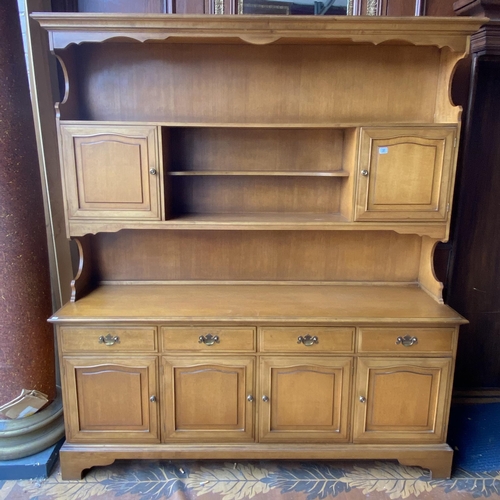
(256, 202)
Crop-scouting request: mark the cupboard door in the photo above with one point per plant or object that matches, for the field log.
(404, 173)
(304, 398)
(111, 172)
(208, 398)
(111, 399)
(401, 400)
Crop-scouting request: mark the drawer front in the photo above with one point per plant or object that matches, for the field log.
(307, 339)
(106, 340)
(208, 339)
(406, 340)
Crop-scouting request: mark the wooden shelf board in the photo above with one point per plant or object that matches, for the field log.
(259, 173)
(259, 304)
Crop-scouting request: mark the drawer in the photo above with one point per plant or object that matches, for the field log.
(220, 339)
(307, 339)
(91, 339)
(406, 340)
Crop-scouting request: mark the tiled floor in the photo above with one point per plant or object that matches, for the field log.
(151, 480)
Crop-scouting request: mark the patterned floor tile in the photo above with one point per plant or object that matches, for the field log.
(212, 480)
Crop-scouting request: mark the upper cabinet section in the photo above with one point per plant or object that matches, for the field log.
(257, 122)
(111, 172)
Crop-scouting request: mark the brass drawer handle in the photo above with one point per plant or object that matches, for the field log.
(109, 340)
(407, 340)
(209, 339)
(307, 340)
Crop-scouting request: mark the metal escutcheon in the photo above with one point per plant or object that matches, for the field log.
(307, 340)
(265, 399)
(109, 339)
(153, 399)
(364, 173)
(208, 339)
(407, 340)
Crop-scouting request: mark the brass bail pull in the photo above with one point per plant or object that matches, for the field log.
(407, 340)
(307, 340)
(208, 339)
(109, 339)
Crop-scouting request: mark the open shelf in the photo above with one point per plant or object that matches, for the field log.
(282, 173)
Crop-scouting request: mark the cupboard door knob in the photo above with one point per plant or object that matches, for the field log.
(362, 399)
(250, 398)
(109, 339)
(307, 340)
(152, 171)
(364, 172)
(265, 399)
(407, 340)
(153, 399)
(208, 339)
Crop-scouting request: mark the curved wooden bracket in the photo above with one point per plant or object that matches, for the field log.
(84, 280)
(426, 276)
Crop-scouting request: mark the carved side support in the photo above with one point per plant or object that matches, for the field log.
(85, 278)
(426, 276)
(73, 464)
(446, 111)
(68, 108)
(438, 463)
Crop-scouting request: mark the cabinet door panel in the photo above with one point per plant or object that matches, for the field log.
(402, 400)
(206, 398)
(107, 399)
(304, 398)
(107, 171)
(404, 173)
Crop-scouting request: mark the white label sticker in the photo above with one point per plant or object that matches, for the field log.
(383, 151)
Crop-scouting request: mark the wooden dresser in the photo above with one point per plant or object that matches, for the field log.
(256, 202)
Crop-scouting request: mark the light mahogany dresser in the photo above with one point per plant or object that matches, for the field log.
(256, 202)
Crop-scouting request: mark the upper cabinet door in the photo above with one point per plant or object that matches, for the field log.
(404, 173)
(111, 172)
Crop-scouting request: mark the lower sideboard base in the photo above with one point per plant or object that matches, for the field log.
(75, 458)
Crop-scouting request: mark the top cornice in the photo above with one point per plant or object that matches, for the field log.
(65, 29)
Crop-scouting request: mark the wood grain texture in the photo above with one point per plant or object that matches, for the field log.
(432, 341)
(65, 29)
(86, 340)
(205, 398)
(267, 150)
(107, 399)
(407, 173)
(284, 340)
(269, 84)
(258, 255)
(308, 399)
(230, 339)
(437, 458)
(406, 400)
(351, 304)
